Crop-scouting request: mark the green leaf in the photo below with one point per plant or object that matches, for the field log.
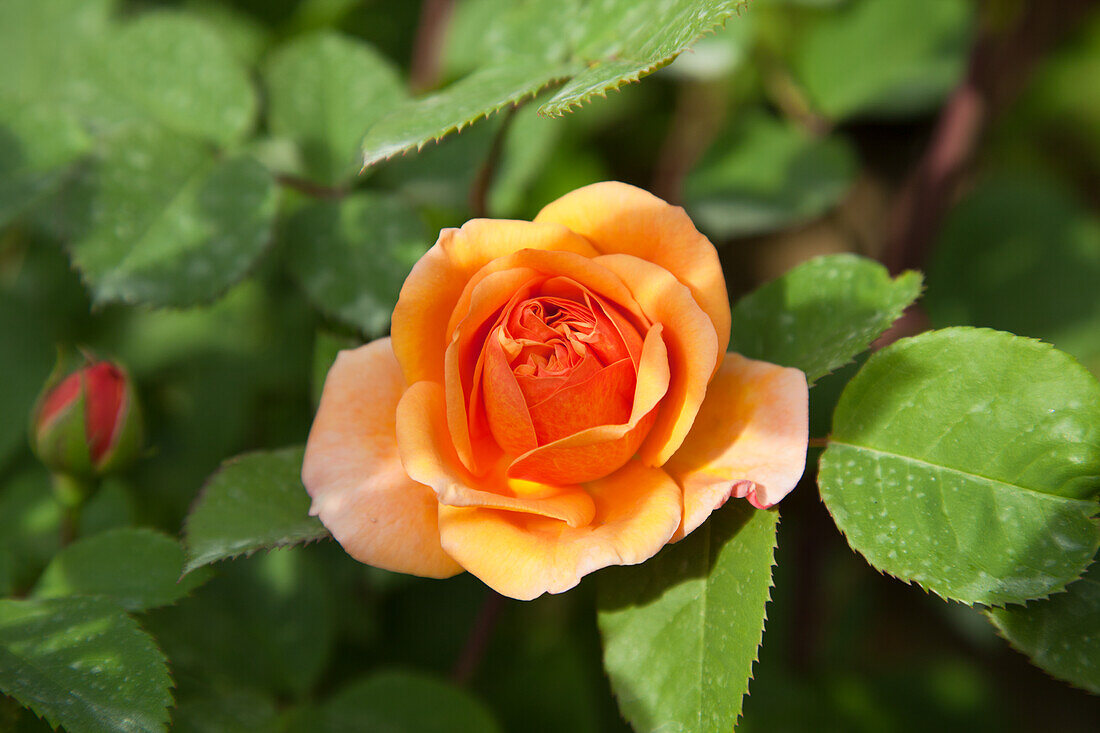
(967, 461)
(38, 144)
(531, 142)
(7, 572)
(229, 711)
(488, 90)
(403, 702)
(264, 622)
(681, 630)
(325, 91)
(83, 664)
(1061, 634)
(136, 568)
(51, 54)
(30, 522)
(110, 507)
(885, 57)
(253, 502)
(1020, 255)
(764, 174)
(176, 71)
(624, 40)
(822, 314)
(352, 256)
(513, 50)
(161, 220)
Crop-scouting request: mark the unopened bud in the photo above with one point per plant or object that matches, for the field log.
(88, 423)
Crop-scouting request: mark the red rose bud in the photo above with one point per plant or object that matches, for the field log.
(88, 424)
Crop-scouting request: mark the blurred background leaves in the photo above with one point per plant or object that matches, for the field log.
(179, 189)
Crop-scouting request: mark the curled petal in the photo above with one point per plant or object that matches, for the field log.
(353, 472)
(621, 219)
(749, 439)
(431, 293)
(692, 349)
(464, 362)
(570, 265)
(429, 457)
(524, 555)
(595, 452)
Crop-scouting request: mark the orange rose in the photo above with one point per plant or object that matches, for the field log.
(555, 398)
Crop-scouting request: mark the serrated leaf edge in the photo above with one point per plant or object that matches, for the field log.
(1055, 590)
(193, 562)
(987, 612)
(167, 698)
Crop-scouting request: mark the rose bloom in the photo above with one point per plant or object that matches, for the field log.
(556, 397)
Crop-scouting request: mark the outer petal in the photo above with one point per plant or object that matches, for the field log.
(433, 288)
(523, 556)
(429, 457)
(692, 349)
(749, 439)
(353, 472)
(622, 219)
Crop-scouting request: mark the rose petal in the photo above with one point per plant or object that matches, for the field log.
(430, 295)
(505, 406)
(692, 349)
(569, 265)
(464, 362)
(622, 219)
(595, 452)
(490, 289)
(605, 398)
(749, 439)
(523, 556)
(430, 458)
(353, 472)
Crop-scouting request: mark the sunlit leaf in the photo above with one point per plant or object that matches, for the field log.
(968, 461)
(681, 630)
(159, 219)
(522, 47)
(253, 502)
(822, 314)
(83, 664)
(325, 91)
(178, 72)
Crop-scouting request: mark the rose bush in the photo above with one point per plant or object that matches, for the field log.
(555, 398)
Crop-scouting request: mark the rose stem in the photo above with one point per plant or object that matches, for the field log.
(478, 640)
(999, 67)
(435, 16)
(479, 189)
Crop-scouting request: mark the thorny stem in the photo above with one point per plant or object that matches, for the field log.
(434, 18)
(700, 109)
(310, 188)
(999, 67)
(479, 189)
(478, 640)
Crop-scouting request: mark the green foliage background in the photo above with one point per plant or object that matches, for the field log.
(180, 189)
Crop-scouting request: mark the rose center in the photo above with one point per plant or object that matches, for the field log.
(571, 360)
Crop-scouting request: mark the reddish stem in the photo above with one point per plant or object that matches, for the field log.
(478, 641)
